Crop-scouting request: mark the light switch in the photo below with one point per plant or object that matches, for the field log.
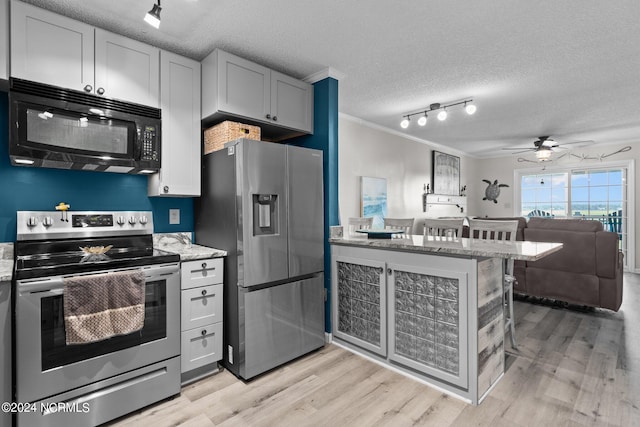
(174, 216)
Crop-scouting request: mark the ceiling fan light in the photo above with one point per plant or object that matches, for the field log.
(543, 155)
(423, 120)
(404, 123)
(470, 108)
(153, 16)
(442, 115)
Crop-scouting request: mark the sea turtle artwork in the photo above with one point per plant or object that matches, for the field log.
(493, 190)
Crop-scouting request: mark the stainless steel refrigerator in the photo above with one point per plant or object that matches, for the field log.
(263, 203)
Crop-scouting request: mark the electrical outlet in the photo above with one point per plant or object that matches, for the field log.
(174, 216)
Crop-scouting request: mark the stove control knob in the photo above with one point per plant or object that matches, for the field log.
(32, 221)
(143, 220)
(47, 221)
(120, 220)
(132, 220)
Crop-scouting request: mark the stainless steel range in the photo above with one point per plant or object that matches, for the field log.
(87, 384)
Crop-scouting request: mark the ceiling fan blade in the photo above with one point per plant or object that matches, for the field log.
(525, 150)
(580, 143)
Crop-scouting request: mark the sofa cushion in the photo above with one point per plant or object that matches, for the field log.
(578, 253)
(565, 224)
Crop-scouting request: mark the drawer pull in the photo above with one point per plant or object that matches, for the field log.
(204, 332)
(204, 265)
(204, 292)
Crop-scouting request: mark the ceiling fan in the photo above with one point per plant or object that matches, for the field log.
(544, 146)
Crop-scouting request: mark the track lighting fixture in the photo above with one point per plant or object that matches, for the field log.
(469, 107)
(153, 16)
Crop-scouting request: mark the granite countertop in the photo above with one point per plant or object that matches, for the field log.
(180, 243)
(6, 262)
(527, 251)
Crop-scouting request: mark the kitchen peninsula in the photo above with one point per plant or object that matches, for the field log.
(428, 306)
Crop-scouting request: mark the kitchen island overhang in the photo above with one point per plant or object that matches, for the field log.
(429, 307)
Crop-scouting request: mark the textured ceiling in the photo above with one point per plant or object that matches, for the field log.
(569, 69)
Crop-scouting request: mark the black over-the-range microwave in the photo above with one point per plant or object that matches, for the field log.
(53, 127)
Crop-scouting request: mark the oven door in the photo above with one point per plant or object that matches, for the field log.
(46, 366)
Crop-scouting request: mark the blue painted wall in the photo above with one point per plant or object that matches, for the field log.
(325, 138)
(24, 188)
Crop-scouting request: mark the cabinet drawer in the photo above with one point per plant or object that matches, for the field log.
(201, 273)
(201, 306)
(201, 346)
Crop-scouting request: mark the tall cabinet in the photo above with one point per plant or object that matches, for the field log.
(181, 148)
(60, 51)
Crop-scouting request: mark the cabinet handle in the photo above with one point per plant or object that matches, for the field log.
(275, 118)
(204, 332)
(389, 271)
(204, 265)
(268, 116)
(88, 88)
(204, 292)
(100, 91)
(165, 189)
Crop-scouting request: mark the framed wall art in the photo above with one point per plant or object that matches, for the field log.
(373, 200)
(445, 172)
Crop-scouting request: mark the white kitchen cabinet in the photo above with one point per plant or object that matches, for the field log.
(181, 135)
(126, 69)
(201, 317)
(4, 39)
(235, 87)
(5, 350)
(60, 51)
(50, 48)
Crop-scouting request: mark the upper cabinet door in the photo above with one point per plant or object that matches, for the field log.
(49, 48)
(243, 87)
(180, 103)
(4, 39)
(291, 102)
(127, 69)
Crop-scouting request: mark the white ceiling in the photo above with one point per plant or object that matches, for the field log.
(569, 69)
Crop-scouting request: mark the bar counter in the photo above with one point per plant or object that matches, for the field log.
(429, 307)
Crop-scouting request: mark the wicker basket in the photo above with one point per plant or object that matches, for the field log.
(216, 136)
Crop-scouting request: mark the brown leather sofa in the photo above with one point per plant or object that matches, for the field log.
(587, 270)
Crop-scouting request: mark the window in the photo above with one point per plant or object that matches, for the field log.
(588, 193)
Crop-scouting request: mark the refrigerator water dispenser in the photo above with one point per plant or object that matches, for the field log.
(265, 214)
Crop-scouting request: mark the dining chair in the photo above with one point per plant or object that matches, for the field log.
(443, 227)
(504, 231)
(358, 224)
(405, 224)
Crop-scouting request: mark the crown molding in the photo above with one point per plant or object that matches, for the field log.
(395, 132)
(323, 74)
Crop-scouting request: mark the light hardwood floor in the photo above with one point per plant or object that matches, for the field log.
(573, 368)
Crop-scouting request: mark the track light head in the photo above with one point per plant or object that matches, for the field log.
(153, 16)
(442, 115)
(423, 119)
(470, 108)
(404, 123)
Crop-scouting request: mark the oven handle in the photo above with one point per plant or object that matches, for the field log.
(55, 285)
